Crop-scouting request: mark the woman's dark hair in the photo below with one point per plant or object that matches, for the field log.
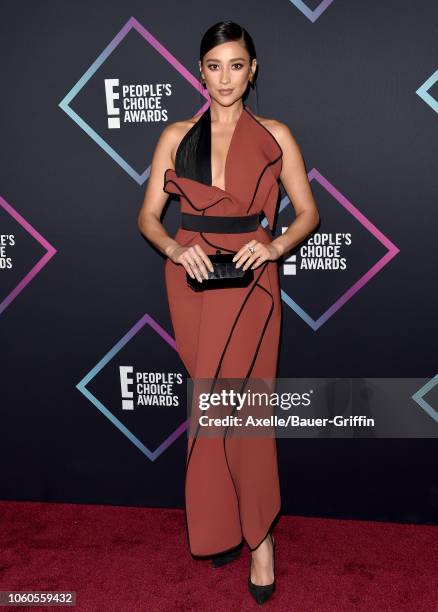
(228, 31)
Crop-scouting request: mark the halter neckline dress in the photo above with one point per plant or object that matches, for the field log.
(231, 483)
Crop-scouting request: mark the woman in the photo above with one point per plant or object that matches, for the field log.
(225, 166)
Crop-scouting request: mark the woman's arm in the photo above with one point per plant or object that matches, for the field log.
(193, 257)
(293, 176)
(155, 197)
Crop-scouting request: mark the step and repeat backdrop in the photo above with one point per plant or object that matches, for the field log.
(93, 393)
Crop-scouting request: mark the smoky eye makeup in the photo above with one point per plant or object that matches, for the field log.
(212, 65)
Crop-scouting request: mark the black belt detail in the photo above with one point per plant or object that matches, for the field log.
(219, 225)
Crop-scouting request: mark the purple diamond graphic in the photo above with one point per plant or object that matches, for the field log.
(312, 15)
(131, 24)
(50, 251)
(392, 251)
(82, 386)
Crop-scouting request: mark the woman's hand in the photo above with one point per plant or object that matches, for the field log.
(261, 252)
(194, 260)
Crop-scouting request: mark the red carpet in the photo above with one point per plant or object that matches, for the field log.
(119, 558)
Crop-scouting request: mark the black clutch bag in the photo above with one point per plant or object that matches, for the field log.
(225, 274)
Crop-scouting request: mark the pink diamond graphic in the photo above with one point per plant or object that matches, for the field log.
(50, 251)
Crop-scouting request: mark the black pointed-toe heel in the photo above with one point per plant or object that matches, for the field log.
(262, 592)
(221, 560)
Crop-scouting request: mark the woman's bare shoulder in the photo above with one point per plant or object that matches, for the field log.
(174, 132)
(280, 131)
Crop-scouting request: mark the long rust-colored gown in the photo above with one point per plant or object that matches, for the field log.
(231, 484)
